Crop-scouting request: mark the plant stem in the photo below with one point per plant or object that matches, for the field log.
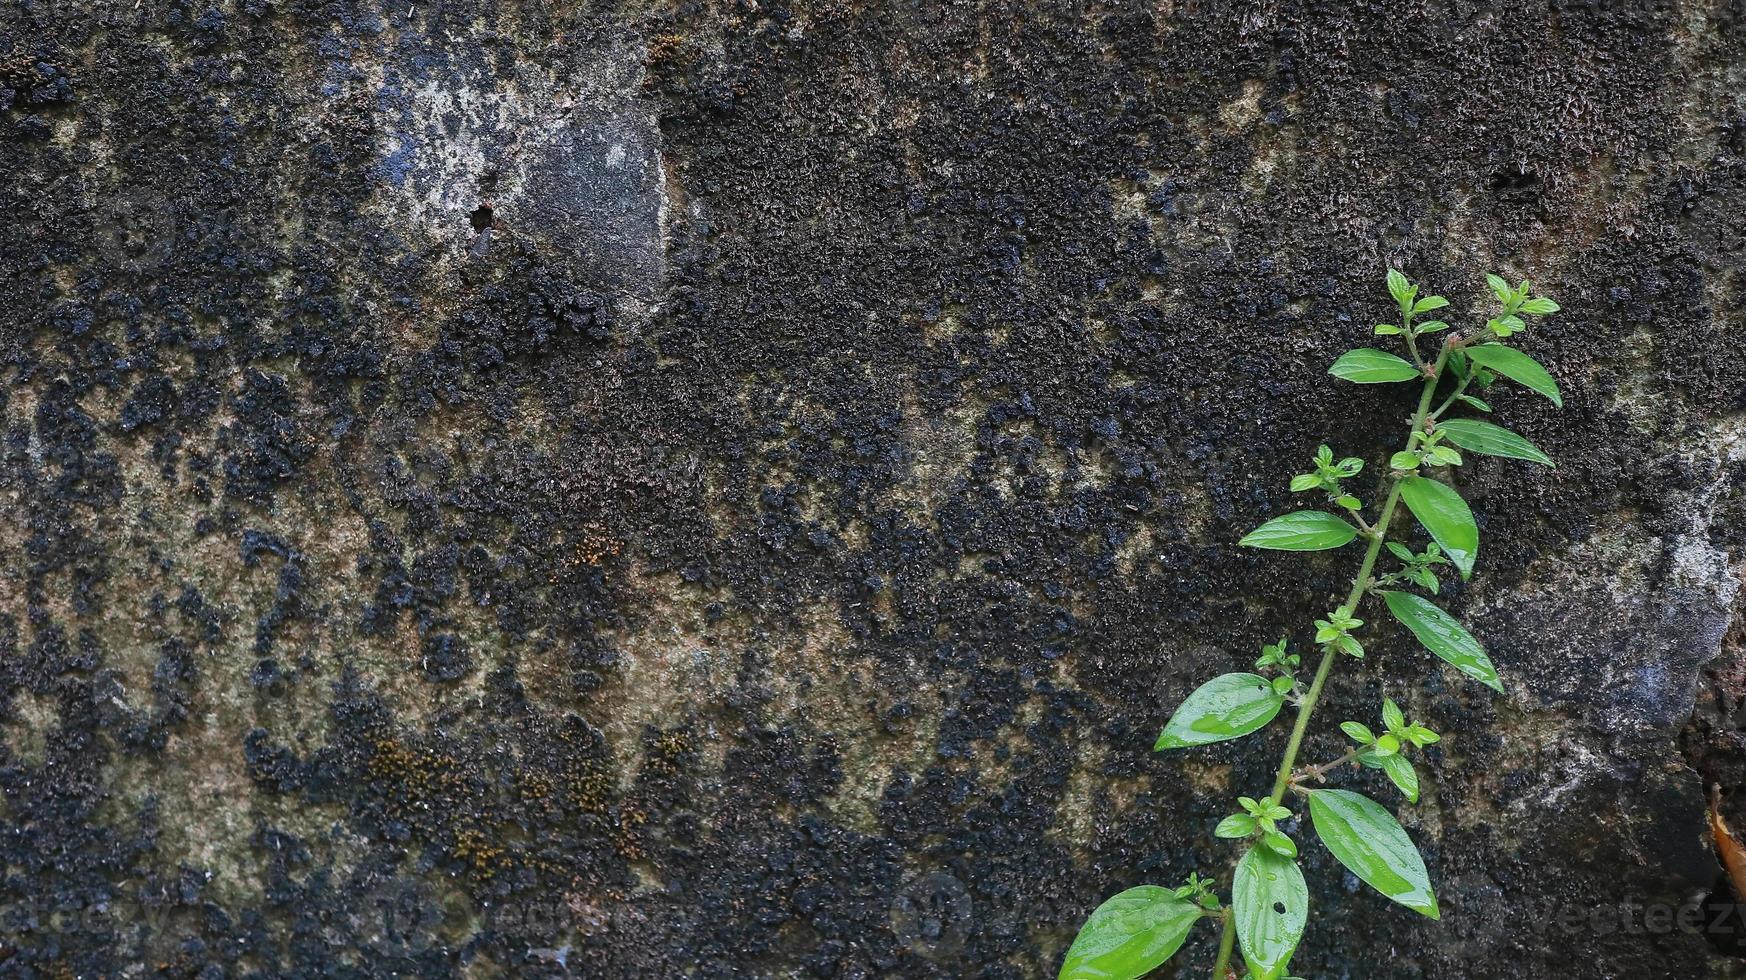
(1459, 388)
(1406, 329)
(1356, 595)
(1227, 939)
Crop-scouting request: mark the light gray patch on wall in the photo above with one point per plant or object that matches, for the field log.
(1668, 603)
(569, 159)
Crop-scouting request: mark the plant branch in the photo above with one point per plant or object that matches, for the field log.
(1360, 583)
(1363, 525)
(1318, 773)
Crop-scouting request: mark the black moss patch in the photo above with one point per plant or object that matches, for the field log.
(898, 505)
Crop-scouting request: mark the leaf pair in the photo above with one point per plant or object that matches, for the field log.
(1271, 901)
(1233, 705)
(1437, 506)
(1367, 365)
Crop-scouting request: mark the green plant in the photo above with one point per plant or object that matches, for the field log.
(1138, 929)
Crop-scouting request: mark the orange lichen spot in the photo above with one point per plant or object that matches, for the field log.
(484, 858)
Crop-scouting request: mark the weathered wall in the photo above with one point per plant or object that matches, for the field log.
(552, 488)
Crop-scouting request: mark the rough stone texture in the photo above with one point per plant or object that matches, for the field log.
(733, 489)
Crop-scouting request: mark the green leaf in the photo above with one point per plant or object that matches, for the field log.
(1518, 367)
(1357, 732)
(1430, 326)
(1499, 287)
(1367, 366)
(1392, 716)
(1226, 707)
(1400, 288)
(1443, 513)
(1271, 905)
(1425, 579)
(1491, 440)
(1539, 306)
(1476, 403)
(1304, 530)
(1405, 460)
(1444, 636)
(1445, 456)
(1371, 844)
(1430, 303)
(1235, 827)
(1279, 844)
(1129, 935)
(1400, 771)
(1386, 330)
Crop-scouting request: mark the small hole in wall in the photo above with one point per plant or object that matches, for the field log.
(482, 217)
(1514, 185)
